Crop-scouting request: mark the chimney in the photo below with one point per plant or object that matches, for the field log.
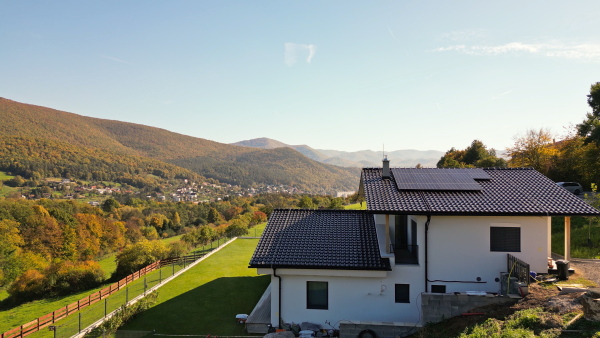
(386, 167)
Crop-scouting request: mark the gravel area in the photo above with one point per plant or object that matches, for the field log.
(590, 268)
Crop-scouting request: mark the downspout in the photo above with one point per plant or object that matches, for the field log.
(426, 255)
(279, 296)
(426, 240)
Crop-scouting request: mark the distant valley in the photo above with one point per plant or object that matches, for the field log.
(357, 159)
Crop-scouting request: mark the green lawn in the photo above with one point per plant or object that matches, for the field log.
(356, 206)
(4, 176)
(206, 299)
(11, 317)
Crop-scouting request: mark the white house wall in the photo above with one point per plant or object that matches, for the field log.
(353, 299)
(459, 250)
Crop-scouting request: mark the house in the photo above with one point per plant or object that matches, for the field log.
(431, 242)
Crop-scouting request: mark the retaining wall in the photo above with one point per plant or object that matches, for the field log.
(436, 307)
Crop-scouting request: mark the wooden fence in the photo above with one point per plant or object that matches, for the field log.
(51, 318)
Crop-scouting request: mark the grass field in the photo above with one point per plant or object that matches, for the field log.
(11, 317)
(4, 176)
(206, 299)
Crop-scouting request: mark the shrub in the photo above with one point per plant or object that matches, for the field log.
(139, 255)
(30, 285)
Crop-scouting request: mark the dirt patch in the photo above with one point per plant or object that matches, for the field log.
(540, 296)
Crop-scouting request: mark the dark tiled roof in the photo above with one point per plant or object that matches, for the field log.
(319, 239)
(510, 191)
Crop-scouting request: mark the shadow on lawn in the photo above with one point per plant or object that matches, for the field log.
(207, 309)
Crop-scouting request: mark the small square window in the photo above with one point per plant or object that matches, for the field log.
(317, 295)
(402, 293)
(505, 239)
(438, 288)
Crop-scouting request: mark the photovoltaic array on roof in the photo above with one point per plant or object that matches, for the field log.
(503, 191)
(459, 179)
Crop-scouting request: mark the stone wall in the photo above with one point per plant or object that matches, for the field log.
(436, 307)
(350, 329)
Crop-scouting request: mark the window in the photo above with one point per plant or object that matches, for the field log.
(316, 295)
(506, 239)
(438, 288)
(402, 293)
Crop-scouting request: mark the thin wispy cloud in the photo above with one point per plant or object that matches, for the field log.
(114, 59)
(296, 51)
(585, 51)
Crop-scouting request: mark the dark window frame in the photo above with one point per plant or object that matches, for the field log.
(402, 293)
(313, 298)
(505, 239)
(438, 288)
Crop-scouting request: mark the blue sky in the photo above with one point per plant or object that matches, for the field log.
(344, 75)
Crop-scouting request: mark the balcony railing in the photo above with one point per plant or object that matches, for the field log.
(518, 268)
(405, 254)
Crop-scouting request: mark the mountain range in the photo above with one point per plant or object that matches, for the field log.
(358, 159)
(37, 141)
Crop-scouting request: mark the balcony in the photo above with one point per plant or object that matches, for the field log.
(405, 254)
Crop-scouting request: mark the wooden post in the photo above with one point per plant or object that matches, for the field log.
(567, 238)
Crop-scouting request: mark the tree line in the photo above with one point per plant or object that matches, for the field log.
(51, 247)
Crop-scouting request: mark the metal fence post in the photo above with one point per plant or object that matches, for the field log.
(105, 306)
(145, 285)
(127, 295)
(173, 265)
(159, 276)
(79, 322)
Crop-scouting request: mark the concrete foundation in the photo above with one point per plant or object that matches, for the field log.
(350, 329)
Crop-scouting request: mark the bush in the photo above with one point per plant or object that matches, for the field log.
(58, 279)
(138, 255)
(68, 277)
(32, 284)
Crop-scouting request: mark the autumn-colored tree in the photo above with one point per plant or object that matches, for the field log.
(149, 232)
(258, 217)
(42, 233)
(30, 285)
(10, 251)
(534, 149)
(232, 212)
(176, 220)
(214, 216)
(89, 231)
(156, 220)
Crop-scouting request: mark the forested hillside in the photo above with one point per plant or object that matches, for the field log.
(86, 145)
(37, 158)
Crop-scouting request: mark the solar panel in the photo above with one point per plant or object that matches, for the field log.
(459, 179)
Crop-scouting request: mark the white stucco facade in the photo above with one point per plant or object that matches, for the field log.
(458, 254)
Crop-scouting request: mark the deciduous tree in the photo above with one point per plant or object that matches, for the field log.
(534, 149)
